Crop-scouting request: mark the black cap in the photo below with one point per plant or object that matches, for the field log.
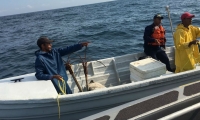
(43, 40)
(158, 16)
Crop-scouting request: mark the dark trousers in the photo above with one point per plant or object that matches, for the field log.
(159, 55)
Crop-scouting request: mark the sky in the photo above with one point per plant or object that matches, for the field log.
(11, 7)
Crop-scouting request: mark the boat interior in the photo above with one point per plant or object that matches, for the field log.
(111, 71)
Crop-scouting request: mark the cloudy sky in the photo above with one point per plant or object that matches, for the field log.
(10, 7)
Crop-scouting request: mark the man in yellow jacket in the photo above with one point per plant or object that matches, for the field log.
(187, 51)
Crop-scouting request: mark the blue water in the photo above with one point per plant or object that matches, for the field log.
(113, 28)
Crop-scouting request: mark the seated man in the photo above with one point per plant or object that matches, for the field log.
(187, 52)
(49, 64)
(154, 41)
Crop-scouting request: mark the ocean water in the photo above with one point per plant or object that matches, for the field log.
(113, 28)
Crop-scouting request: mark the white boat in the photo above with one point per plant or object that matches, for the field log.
(37, 99)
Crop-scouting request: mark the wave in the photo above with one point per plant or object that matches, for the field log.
(104, 34)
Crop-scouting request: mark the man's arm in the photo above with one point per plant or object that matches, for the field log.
(179, 40)
(195, 32)
(72, 48)
(147, 35)
(40, 69)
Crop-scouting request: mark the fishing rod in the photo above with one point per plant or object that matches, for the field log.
(167, 9)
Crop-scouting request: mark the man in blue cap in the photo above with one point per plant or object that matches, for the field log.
(154, 41)
(49, 64)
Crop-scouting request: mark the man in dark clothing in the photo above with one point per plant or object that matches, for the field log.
(49, 64)
(154, 41)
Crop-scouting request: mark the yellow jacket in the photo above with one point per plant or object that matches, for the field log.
(186, 57)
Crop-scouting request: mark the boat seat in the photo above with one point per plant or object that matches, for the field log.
(30, 90)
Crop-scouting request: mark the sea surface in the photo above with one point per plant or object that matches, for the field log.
(113, 28)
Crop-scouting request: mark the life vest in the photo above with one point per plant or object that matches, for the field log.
(159, 34)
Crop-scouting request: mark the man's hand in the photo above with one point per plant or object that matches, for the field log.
(163, 46)
(58, 77)
(157, 41)
(193, 42)
(84, 43)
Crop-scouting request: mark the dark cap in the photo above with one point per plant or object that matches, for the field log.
(187, 15)
(43, 40)
(158, 16)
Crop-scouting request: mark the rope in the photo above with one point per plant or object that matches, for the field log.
(63, 90)
(58, 106)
